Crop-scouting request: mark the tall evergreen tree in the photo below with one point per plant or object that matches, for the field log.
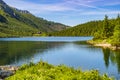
(116, 36)
(118, 19)
(106, 28)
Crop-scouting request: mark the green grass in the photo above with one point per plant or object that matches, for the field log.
(45, 71)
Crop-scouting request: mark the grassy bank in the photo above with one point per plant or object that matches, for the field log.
(45, 71)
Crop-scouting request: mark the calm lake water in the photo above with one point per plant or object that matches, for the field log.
(71, 51)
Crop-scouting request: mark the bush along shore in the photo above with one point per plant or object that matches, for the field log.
(45, 71)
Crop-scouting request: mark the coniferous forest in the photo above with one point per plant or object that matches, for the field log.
(107, 29)
(92, 28)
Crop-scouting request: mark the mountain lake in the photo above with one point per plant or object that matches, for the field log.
(71, 51)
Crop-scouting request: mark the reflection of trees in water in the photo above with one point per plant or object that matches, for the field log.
(113, 56)
(106, 56)
(11, 51)
(117, 57)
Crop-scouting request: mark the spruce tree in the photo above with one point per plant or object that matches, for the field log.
(118, 19)
(116, 36)
(106, 28)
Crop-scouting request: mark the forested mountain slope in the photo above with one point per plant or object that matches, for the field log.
(15, 22)
(105, 31)
(86, 29)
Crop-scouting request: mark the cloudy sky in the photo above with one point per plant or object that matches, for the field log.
(69, 12)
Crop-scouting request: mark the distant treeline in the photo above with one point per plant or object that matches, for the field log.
(86, 29)
(107, 29)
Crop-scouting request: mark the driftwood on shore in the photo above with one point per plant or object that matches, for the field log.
(6, 71)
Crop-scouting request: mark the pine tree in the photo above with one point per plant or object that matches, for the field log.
(116, 36)
(118, 19)
(106, 28)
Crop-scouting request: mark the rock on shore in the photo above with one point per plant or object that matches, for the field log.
(6, 71)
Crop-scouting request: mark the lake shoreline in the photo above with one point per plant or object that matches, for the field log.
(103, 45)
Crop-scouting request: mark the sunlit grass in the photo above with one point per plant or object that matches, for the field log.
(45, 71)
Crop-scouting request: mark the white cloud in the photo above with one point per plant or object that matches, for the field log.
(113, 3)
(66, 10)
(34, 7)
(100, 13)
(84, 3)
(66, 5)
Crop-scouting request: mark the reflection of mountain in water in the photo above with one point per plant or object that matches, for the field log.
(9, 51)
(113, 56)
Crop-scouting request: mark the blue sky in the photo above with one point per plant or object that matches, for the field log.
(69, 12)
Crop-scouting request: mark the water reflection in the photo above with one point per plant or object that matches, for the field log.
(75, 54)
(113, 56)
(106, 53)
(14, 51)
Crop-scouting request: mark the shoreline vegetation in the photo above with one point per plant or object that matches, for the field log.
(45, 71)
(109, 35)
(103, 44)
(106, 32)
